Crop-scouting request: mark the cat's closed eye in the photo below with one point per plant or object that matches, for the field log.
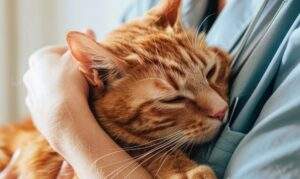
(176, 99)
(211, 71)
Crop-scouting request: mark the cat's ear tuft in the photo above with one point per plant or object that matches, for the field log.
(92, 56)
(166, 13)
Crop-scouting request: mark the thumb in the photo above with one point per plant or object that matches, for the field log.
(9, 172)
(66, 171)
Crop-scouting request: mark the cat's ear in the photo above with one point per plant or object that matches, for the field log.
(166, 13)
(92, 56)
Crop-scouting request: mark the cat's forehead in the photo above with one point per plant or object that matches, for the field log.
(148, 42)
(175, 55)
(133, 29)
(179, 77)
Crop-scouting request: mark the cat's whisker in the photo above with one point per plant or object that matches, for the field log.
(191, 147)
(137, 149)
(165, 156)
(138, 157)
(145, 161)
(120, 169)
(163, 159)
(115, 152)
(178, 138)
(147, 154)
(160, 140)
(187, 37)
(140, 164)
(146, 145)
(200, 26)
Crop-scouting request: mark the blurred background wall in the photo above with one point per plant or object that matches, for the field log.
(27, 25)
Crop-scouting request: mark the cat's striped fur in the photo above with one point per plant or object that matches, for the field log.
(157, 87)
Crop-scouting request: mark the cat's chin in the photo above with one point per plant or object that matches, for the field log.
(206, 136)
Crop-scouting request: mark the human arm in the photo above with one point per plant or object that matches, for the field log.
(57, 100)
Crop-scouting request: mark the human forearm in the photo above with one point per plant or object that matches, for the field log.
(88, 151)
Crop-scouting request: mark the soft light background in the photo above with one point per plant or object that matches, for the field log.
(27, 25)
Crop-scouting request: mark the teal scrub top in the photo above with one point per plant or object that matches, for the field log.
(261, 138)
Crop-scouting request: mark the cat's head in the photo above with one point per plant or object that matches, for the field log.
(157, 80)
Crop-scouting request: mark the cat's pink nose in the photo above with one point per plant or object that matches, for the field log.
(220, 114)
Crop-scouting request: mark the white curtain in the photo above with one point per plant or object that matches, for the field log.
(7, 92)
(27, 25)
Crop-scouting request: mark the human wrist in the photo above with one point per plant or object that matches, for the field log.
(65, 117)
(79, 147)
(82, 142)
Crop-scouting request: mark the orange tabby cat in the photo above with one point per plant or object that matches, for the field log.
(156, 87)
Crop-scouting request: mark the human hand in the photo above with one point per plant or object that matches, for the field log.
(53, 83)
(57, 100)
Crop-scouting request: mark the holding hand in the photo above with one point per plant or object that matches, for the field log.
(53, 79)
(57, 100)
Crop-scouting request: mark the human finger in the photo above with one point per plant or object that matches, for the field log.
(90, 33)
(66, 171)
(39, 54)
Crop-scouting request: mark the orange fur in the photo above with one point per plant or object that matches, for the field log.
(37, 159)
(156, 87)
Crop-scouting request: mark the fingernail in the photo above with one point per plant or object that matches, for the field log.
(90, 33)
(65, 170)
